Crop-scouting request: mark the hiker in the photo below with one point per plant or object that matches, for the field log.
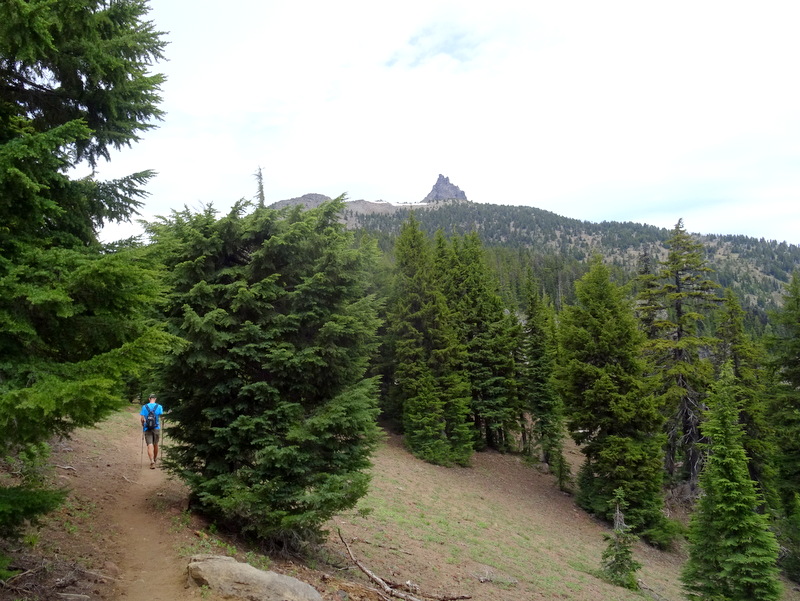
(151, 426)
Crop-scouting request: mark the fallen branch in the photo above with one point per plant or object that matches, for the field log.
(98, 575)
(375, 578)
(127, 480)
(65, 467)
(396, 585)
(6, 584)
(8, 581)
(385, 586)
(650, 591)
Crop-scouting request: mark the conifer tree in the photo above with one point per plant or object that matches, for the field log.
(610, 411)
(73, 313)
(673, 316)
(648, 306)
(732, 552)
(76, 316)
(747, 361)
(487, 330)
(273, 419)
(784, 411)
(784, 346)
(536, 390)
(619, 567)
(429, 385)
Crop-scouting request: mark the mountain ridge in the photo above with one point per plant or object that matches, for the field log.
(755, 268)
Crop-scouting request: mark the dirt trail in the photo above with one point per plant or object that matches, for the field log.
(132, 540)
(150, 567)
(125, 534)
(498, 531)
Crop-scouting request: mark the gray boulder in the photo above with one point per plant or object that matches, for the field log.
(228, 577)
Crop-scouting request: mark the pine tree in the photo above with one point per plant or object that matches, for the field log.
(610, 411)
(273, 419)
(732, 552)
(673, 316)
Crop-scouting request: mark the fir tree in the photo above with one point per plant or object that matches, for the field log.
(732, 552)
(536, 390)
(747, 362)
(619, 567)
(673, 315)
(487, 330)
(273, 419)
(784, 346)
(429, 386)
(260, 197)
(648, 307)
(76, 316)
(610, 411)
(784, 410)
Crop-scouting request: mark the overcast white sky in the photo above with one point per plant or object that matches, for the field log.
(628, 111)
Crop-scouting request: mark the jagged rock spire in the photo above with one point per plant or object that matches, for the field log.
(444, 190)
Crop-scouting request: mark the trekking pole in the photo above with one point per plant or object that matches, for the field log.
(141, 457)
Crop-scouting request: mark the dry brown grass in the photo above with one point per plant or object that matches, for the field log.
(498, 531)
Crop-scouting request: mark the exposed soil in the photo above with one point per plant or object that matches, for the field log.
(497, 531)
(125, 532)
(112, 539)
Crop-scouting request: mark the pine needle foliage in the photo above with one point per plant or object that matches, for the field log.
(732, 552)
(272, 418)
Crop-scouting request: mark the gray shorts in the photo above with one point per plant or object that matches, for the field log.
(152, 436)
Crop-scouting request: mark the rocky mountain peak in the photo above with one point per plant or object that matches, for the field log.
(444, 190)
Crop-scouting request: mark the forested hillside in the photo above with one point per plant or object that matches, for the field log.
(650, 370)
(515, 236)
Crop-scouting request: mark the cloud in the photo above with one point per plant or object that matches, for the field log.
(437, 40)
(619, 110)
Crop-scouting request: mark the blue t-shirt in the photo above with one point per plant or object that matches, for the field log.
(155, 408)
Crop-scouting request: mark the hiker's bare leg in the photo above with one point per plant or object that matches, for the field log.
(155, 452)
(151, 452)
